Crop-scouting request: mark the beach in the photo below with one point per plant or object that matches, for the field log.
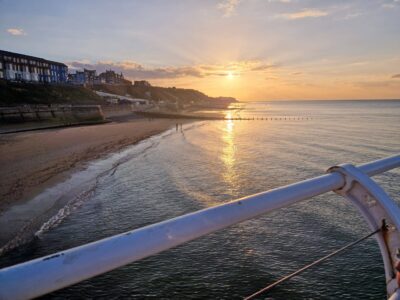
(32, 161)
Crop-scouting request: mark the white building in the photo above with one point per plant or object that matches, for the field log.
(20, 67)
(113, 98)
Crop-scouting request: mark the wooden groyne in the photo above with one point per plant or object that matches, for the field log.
(148, 114)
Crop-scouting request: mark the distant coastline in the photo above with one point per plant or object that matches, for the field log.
(320, 100)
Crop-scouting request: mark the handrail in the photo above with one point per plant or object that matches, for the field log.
(44, 275)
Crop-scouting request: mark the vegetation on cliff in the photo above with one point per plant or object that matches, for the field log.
(170, 95)
(13, 93)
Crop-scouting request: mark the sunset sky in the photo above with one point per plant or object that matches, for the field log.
(249, 49)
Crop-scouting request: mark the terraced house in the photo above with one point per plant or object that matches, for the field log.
(20, 67)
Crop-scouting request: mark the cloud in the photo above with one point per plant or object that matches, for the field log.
(263, 67)
(306, 13)
(248, 66)
(16, 31)
(390, 4)
(353, 15)
(378, 84)
(222, 74)
(396, 76)
(134, 70)
(228, 7)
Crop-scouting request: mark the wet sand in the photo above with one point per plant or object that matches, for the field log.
(32, 161)
(35, 161)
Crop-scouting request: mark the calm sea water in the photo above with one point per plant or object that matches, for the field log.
(213, 162)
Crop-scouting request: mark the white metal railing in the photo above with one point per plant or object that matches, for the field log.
(44, 275)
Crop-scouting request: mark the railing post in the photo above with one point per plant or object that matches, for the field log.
(379, 211)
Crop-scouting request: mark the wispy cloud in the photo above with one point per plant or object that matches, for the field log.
(378, 84)
(263, 67)
(228, 7)
(306, 13)
(396, 76)
(135, 70)
(240, 67)
(16, 31)
(389, 4)
(353, 15)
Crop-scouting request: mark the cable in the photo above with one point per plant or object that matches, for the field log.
(322, 259)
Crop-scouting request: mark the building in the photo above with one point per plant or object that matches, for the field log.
(1, 70)
(89, 77)
(118, 99)
(83, 77)
(111, 77)
(141, 83)
(20, 67)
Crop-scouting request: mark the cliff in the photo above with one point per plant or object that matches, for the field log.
(183, 97)
(18, 93)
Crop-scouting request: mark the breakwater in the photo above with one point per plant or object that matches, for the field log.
(148, 114)
(64, 114)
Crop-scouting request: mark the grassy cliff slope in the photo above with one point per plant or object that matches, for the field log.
(13, 93)
(179, 95)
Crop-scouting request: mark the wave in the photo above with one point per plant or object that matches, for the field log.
(82, 192)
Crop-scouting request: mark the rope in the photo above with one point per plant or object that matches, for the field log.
(322, 259)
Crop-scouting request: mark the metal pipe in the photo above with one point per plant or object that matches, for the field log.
(381, 165)
(44, 275)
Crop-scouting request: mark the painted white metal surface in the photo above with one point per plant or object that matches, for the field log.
(395, 296)
(379, 211)
(53, 272)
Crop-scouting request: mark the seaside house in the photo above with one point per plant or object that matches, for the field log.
(85, 77)
(115, 99)
(89, 77)
(21, 67)
(141, 83)
(111, 77)
(1, 70)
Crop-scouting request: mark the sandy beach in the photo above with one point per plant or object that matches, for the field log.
(32, 161)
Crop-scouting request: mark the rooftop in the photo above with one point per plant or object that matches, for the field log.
(6, 53)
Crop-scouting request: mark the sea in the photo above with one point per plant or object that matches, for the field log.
(208, 163)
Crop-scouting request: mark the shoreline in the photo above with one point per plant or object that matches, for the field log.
(36, 161)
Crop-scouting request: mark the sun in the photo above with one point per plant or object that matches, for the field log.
(229, 75)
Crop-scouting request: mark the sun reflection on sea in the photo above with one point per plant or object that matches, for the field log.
(228, 156)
